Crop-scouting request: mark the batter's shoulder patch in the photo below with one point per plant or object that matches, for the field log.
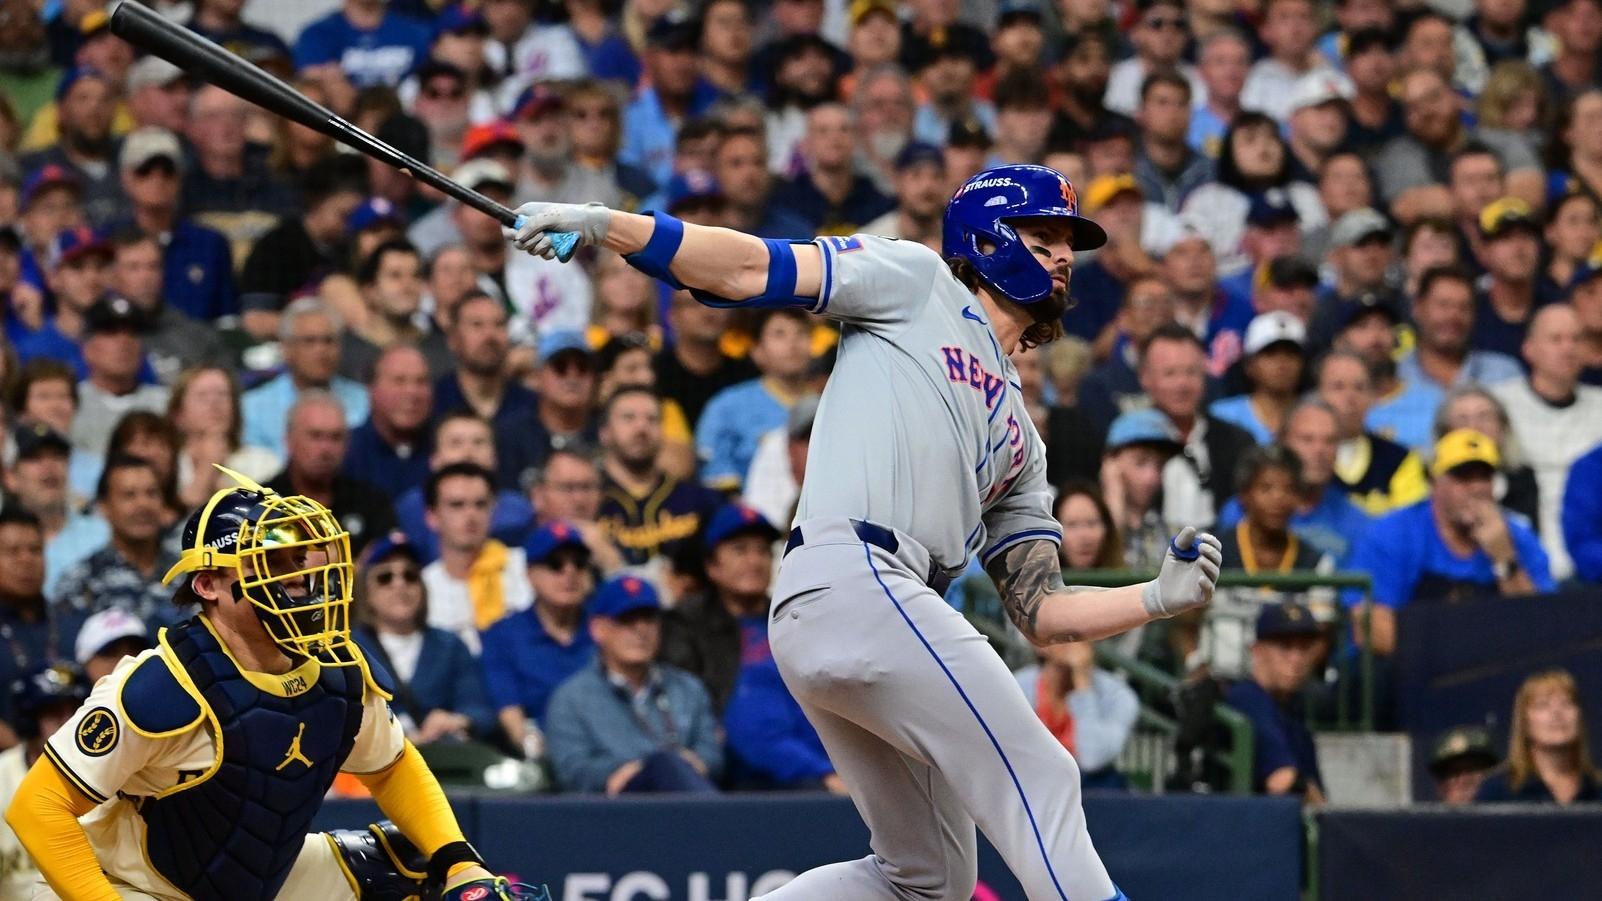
(98, 732)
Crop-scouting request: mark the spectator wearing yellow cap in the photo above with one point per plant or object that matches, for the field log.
(1458, 543)
(1119, 204)
(98, 50)
(1510, 250)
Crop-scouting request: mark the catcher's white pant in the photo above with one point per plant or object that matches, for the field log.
(928, 729)
(317, 875)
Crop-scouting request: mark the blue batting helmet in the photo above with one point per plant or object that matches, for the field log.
(31, 693)
(978, 214)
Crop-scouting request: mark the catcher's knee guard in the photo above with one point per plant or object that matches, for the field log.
(383, 865)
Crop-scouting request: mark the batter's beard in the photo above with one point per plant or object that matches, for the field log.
(1047, 315)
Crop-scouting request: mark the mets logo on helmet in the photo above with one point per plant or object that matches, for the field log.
(1070, 197)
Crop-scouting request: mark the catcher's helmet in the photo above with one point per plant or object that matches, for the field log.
(44, 685)
(978, 214)
(291, 559)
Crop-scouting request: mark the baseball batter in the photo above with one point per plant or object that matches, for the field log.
(923, 456)
(193, 770)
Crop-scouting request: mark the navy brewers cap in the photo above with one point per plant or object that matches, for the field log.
(34, 438)
(549, 539)
(1271, 208)
(1287, 619)
(674, 31)
(918, 153)
(1470, 745)
(620, 596)
(113, 314)
(733, 520)
(1375, 303)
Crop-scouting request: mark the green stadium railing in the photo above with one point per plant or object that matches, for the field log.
(983, 608)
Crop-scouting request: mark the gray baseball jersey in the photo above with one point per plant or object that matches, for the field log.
(922, 433)
(923, 426)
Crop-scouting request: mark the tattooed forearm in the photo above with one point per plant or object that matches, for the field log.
(1024, 575)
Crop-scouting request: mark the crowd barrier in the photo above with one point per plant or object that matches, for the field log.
(1502, 853)
(1461, 663)
(733, 847)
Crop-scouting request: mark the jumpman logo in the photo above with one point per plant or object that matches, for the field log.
(294, 752)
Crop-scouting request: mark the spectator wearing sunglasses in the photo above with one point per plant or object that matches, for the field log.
(439, 690)
(531, 652)
(1159, 36)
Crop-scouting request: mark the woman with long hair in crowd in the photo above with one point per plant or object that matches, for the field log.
(1575, 151)
(1573, 228)
(1548, 754)
(1253, 161)
(204, 408)
(1514, 109)
(152, 438)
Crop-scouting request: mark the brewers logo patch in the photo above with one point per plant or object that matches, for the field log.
(98, 732)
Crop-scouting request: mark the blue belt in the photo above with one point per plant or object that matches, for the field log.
(880, 537)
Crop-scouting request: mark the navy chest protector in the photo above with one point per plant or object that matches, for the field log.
(235, 833)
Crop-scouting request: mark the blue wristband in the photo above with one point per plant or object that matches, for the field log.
(780, 289)
(657, 255)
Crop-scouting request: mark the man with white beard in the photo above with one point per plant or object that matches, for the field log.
(548, 170)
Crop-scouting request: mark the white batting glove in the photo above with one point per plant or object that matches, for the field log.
(540, 219)
(1188, 575)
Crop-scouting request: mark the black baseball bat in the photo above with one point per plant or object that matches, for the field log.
(139, 25)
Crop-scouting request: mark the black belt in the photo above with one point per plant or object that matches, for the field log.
(880, 537)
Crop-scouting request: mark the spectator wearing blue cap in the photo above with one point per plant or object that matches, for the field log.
(628, 723)
(1139, 444)
(567, 488)
(197, 266)
(49, 202)
(86, 100)
(674, 91)
(548, 167)
(461, 436)
(371, 44)
(529, 653)
(735, 419)
(1273, 231)
(41, 700)
(1284, 761)
(565, 382)
(439, 690)
(78, 273)
(921, 191)
(714, 634)
(829, 193)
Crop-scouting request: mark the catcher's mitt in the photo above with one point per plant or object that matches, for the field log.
(497, 888)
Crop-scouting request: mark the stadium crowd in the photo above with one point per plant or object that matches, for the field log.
(1350, 312)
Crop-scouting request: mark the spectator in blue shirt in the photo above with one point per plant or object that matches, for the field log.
(1443, 318)
(1511, 239)
(78, 274)
(674, 91)
(771, 743)
(222, 21)
(371, 45)
(1284, 761)
(460, 436)
(1456, 543)
(737, 417)
(1276, 358)
(716, 634)
(309, 336)
(391, 449)
(439, 691)
(1326, 518)
(198, 268)
(529, 653)
(1582, 516)
(628, 724)
(607, 53)
(1403, 408)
